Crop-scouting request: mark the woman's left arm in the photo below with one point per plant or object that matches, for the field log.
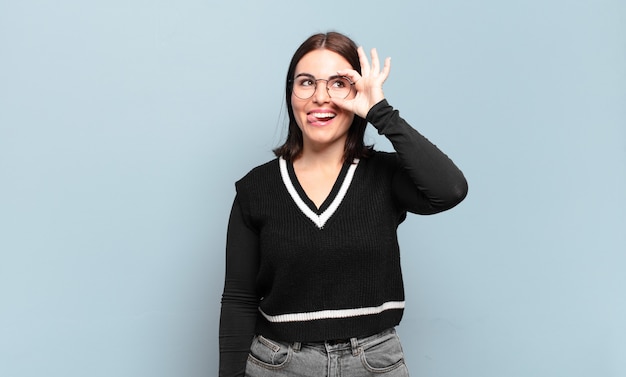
(427, 181)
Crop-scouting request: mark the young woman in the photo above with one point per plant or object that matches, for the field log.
(313, 283)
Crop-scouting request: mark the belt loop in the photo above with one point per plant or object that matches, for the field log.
(355, 346)
(297, 346)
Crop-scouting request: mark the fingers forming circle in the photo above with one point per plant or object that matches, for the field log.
(375, 62)
(365, 66)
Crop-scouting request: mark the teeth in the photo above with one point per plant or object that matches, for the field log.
(324, 115)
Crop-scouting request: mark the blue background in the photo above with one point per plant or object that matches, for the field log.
(124, 124)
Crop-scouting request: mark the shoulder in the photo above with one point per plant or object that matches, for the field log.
(378, 166)
(388, 160)
(259, 175)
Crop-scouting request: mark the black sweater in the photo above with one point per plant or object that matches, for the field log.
(298, 273)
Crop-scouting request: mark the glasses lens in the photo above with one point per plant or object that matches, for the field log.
(304, 87)
(338, 87)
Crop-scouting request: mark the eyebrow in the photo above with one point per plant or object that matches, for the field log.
(314, 78)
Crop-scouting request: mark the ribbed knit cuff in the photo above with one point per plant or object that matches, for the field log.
(378, 113)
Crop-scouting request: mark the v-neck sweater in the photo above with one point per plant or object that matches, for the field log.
(298, 273)
(291, 180)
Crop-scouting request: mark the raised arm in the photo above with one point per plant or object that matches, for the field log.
(427, 181)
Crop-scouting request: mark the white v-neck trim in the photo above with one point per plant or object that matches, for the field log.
(322, 218)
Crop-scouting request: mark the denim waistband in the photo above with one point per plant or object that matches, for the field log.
(352, 344)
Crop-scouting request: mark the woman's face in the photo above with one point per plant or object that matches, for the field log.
(322, 123)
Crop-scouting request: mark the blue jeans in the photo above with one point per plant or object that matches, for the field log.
(377, 355)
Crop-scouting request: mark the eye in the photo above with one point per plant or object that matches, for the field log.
(339, 83)
(305, 82)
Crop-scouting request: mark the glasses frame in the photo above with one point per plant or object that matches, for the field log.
(315, 80)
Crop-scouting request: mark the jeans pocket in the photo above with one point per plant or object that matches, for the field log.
(383, 355)
(269, 354)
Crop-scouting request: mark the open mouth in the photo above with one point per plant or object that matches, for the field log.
(321, 117)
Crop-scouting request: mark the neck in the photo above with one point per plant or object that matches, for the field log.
(329, 155)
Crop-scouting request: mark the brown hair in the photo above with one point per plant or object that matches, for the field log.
(344, 46)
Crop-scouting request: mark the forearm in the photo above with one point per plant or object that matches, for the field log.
(237, 323)
(239, 300)
(436, 177)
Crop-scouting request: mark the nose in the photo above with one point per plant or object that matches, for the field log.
(321, 92)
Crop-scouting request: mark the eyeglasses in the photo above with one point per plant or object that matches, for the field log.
(304, 86)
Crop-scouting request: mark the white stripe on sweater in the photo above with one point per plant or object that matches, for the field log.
(321, 219)
(332, 314)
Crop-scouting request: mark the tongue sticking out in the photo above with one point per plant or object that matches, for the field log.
(320, 118)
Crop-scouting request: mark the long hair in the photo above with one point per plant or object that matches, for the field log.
(344, 46)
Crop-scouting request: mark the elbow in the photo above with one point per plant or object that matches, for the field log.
(456, 194)
(460, 190)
